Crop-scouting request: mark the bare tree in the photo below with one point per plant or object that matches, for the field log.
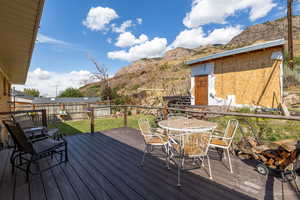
(101, 75)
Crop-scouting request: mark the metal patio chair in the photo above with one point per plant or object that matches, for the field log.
(153, 139)
(192, 146)
(31, 129)
(224, 142)
(30, 152)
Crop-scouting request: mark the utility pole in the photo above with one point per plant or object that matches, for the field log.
(290, 35)
(56, 87)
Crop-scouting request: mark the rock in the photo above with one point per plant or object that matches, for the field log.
(292, 99)
(270, 30)
(178, 53)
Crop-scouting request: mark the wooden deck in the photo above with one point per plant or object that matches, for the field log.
(104, 166)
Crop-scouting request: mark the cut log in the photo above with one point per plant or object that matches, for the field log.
(277, 155)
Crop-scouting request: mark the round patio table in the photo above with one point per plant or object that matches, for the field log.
(178, 128)
(185, 125)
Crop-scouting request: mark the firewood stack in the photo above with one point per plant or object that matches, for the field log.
(278, 155)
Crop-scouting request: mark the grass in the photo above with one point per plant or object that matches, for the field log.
(268, 130)
(83, 126)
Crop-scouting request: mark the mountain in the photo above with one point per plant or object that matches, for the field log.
(146, 81)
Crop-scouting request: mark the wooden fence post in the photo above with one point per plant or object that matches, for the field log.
(125, 116)
(165, 113)
(44, 118)
(92, 120)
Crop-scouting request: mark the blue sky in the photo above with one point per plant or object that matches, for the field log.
(70, 31)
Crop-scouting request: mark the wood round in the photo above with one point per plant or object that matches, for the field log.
(187, 125)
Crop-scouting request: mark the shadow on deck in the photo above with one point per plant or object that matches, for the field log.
(104, 166)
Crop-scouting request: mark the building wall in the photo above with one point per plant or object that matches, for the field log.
(4, 105)
(240, 80)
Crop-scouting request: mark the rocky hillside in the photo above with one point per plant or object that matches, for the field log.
(148, 80)
(270, 30)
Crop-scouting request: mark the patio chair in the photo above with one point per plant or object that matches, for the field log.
(31, 129)
(152, 139)
(192, 146)
(29, 152)
(224, 142)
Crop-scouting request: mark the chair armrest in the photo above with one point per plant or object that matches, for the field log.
(38, 139)
(34, 129)
(219, 132)
(158, 130)
(221, 137)
(152, 135)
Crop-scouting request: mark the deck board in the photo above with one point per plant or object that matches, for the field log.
(105, 166)
(156, 170)
(7, 185)
(98, 169)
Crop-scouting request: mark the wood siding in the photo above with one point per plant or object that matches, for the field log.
(254, 78)
(4, 105)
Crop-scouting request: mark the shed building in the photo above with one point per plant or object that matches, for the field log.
(250, 76)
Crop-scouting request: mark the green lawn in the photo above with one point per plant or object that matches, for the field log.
(83, 126)
(267, 129)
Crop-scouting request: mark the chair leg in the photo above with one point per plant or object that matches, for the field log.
(20, 159)
(13, 164)
(209, 169)
(66, 153)
(229, 160)
(178, 172)
(12, 161)
(202, 161)
(182, 163)
(28, 170)
(12, 156)
(224, 154)
(168, 156)
(38, 167)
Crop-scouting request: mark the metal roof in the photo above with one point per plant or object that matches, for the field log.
(39, 100)
(245, 49)
(19, 94)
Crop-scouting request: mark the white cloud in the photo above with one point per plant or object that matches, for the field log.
(109, 40)
(216, 11)
(149, 49)
(98, 17)
(195, 37)
(41, 38)
(127, 39)
(124, 26)
(40, 74)
(46, 81)
(139, 20)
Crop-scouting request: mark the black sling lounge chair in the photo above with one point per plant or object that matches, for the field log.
(31, 130)
(30, 152)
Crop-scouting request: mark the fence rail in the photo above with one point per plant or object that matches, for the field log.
(91, 112)
(40, 112)
(75, 111)
(166, 110)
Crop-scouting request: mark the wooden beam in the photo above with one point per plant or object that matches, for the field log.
(290, 35)
(92, 120)
(125, 116)
(44, 118)
(268, 81)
